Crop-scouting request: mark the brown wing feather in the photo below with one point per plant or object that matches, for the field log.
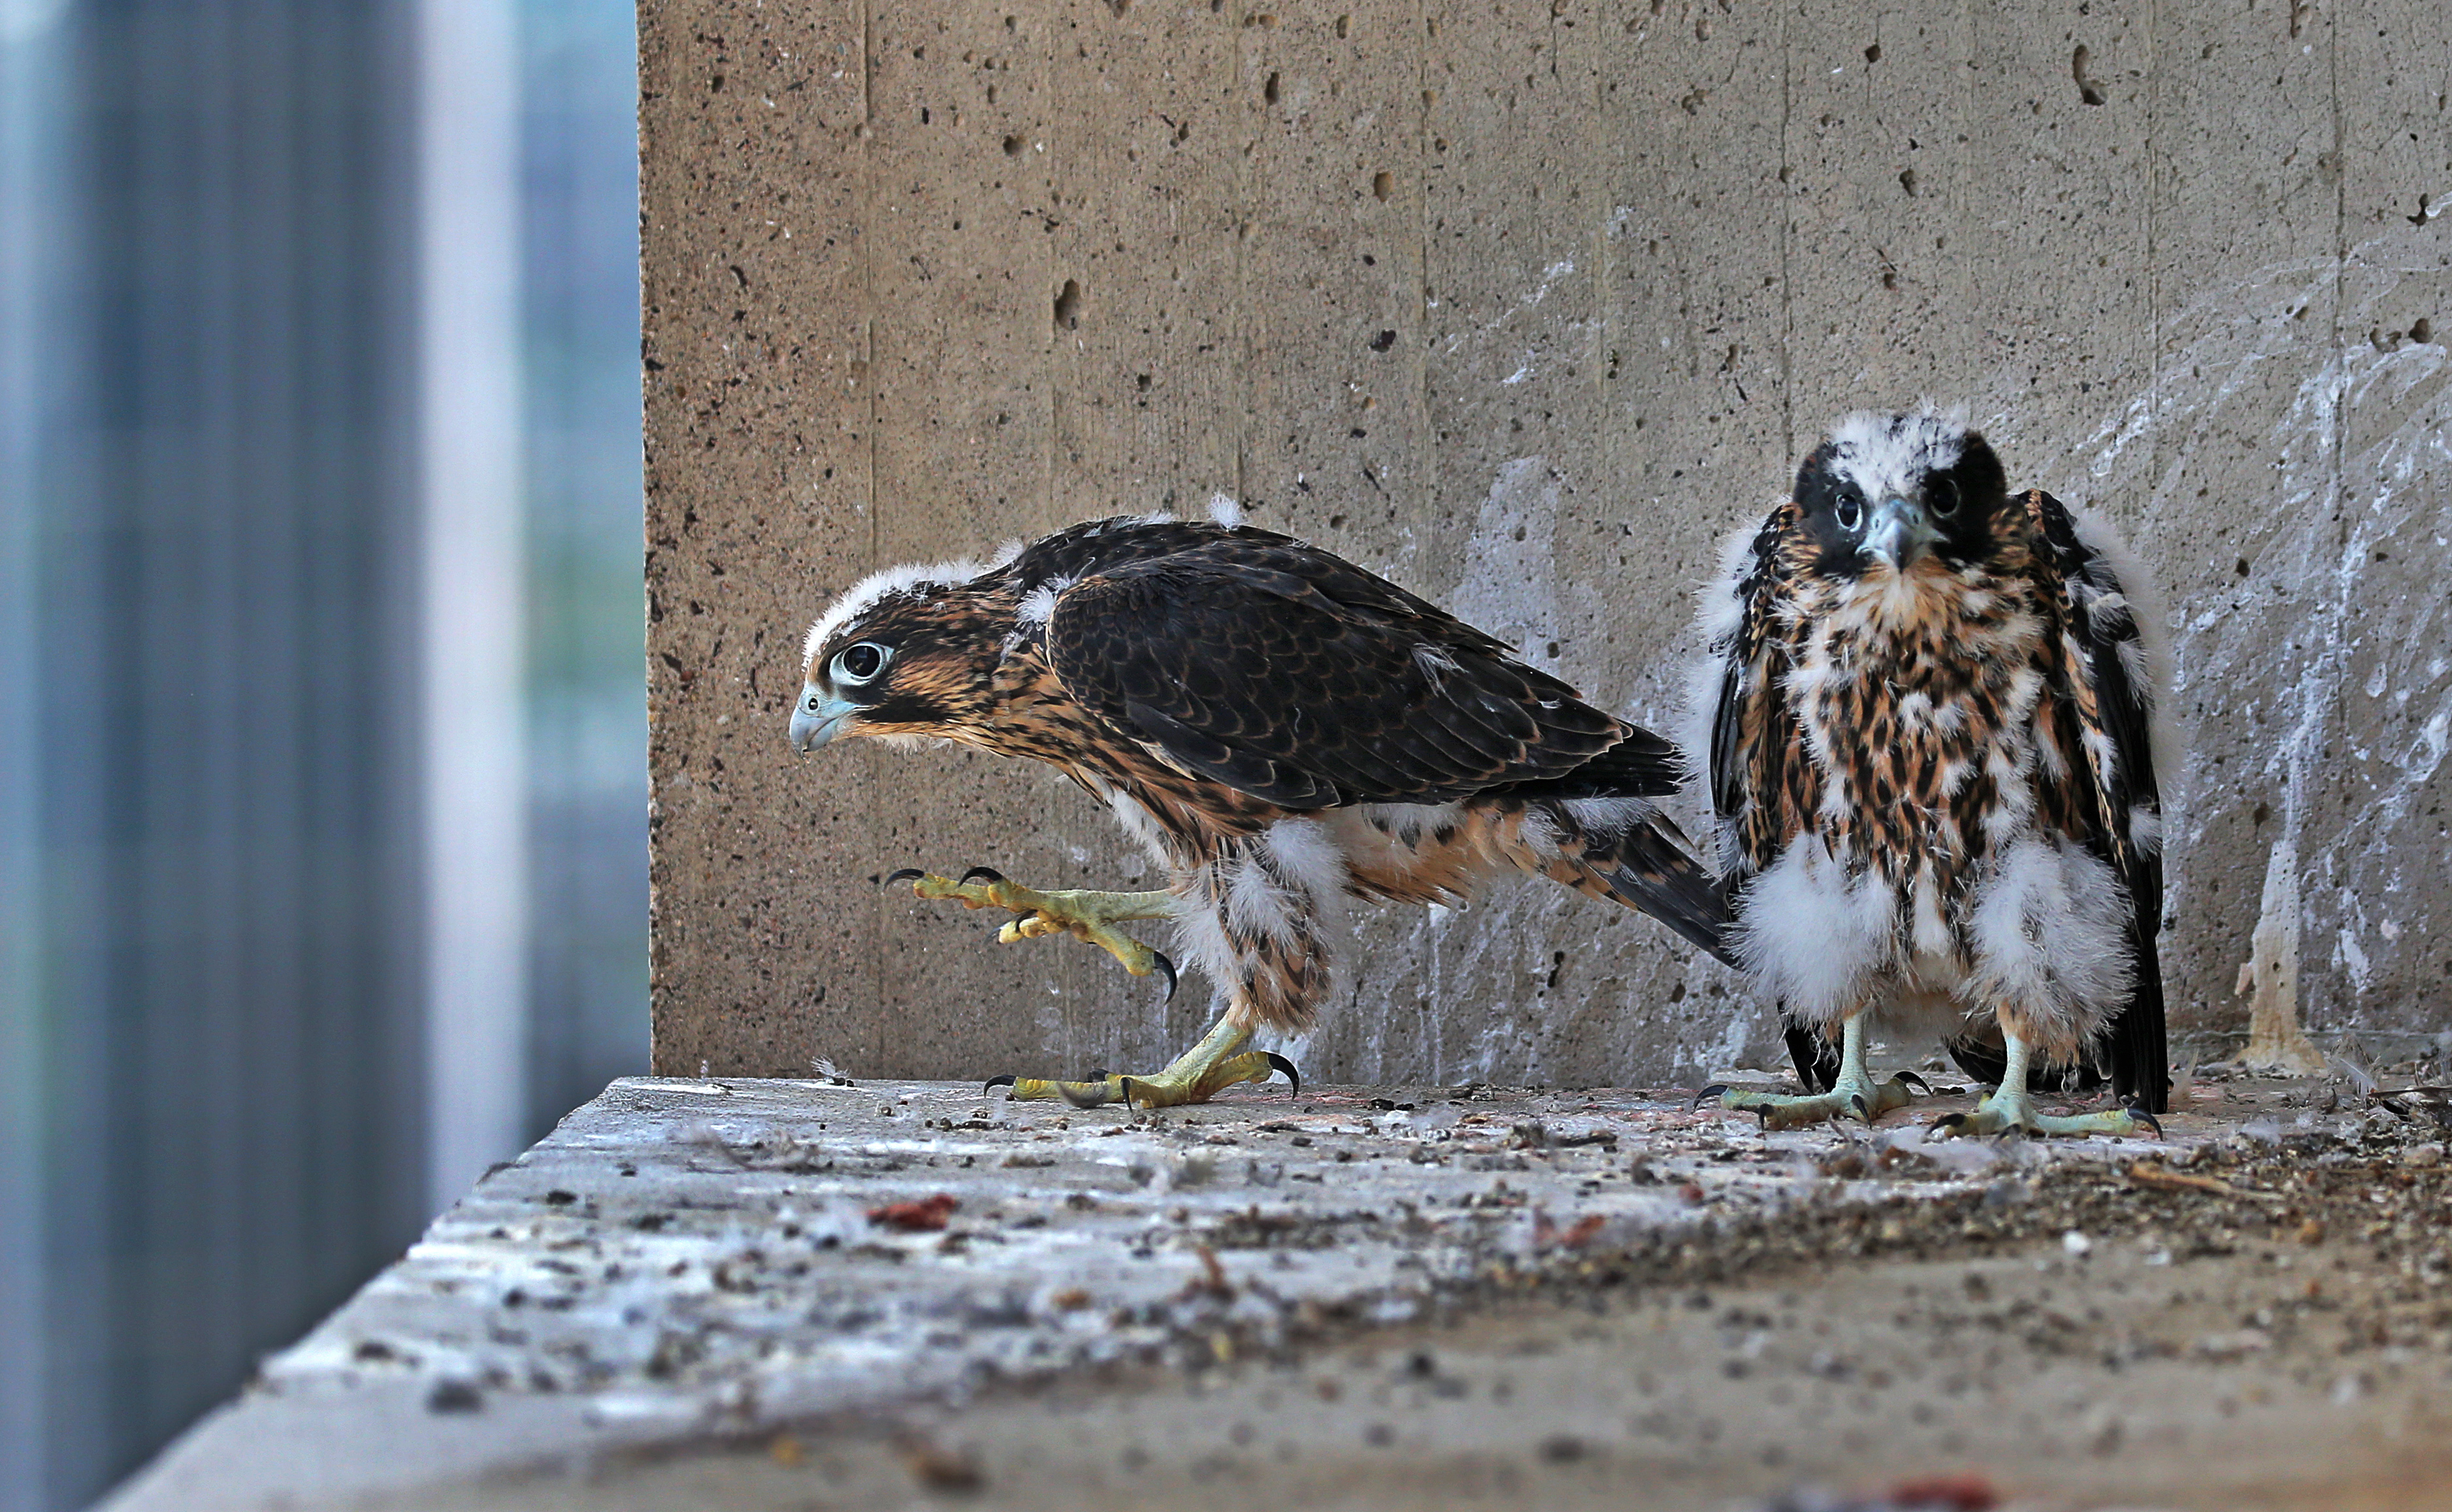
(1760, 775)
(2099, 720)
(1760, 771)
(1288, 674)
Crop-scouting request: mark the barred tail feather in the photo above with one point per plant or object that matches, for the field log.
(2137, 1043)
(1646, 867)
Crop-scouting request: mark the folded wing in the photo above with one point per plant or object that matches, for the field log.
(2103, 719)
(1300, 679)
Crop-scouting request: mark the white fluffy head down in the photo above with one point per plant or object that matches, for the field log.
(1888, 455)
(913, 581)
(1039, 605)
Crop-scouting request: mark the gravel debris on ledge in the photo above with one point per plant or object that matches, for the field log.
(686, 1259)
(708, 1253)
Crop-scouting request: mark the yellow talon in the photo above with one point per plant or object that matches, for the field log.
(1856, 1096)
(1198, 1074)
(1088, 917)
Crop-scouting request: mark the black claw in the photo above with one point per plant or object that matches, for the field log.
(1951, 1121)
(994, 1081)
(984, 873)
(1914, 1081)
(909, 873)
(2137, 1111)
(1157, 958)
(1715, 1089)
(1288, 1067)
(1863, 1107)
(1098, 1101)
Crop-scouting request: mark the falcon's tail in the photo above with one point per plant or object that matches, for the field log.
(1628, 851)
(2136, 1044)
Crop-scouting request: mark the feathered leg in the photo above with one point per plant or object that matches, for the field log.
(1252, 918)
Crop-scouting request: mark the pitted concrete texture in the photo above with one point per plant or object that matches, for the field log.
(686, 1265)
(1524, 306)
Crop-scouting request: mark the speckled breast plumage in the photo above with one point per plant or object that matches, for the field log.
(1915, 707)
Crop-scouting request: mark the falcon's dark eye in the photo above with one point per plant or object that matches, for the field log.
(857, 664)
(1941, 496)
(1851, 508)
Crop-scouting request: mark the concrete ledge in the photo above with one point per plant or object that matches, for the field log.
(685, 1260)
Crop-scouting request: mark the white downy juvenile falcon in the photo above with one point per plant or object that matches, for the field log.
(1936, 752)
(1280, 728)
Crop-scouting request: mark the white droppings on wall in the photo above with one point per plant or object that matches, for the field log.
(1730, 1047)
(2301, 606)
(1510, 570)
(2270, 974)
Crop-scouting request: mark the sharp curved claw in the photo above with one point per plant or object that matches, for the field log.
(1863, 1109)
(981, 874)
(1951, 1121)
(1159, 960)
(1123, 1082)
(994, 1081)
(1914, 1081)
(909, 873)
(1090, 1092)
(1715, 1089)
(1280, 1063)
(2137, 1111)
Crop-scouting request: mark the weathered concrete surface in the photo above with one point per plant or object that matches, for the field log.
(1524, 306)
(686, 1265)
(1867, 1378)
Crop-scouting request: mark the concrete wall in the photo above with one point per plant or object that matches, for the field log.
(1522, 306)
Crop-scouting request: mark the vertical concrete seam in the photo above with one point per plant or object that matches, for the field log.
(1969, 111)
(1422, 227)
(1603, 215)
(2339, 405)
(2153, 250)
(863, 139)
(1237, 208)
(1048, 287)
(1786, 272)
(867, 63)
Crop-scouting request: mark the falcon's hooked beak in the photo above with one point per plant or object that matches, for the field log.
(817, 718)
(1898, 532)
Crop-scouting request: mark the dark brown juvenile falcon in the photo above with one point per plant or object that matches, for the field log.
(1936, 759)
(1280, 728)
